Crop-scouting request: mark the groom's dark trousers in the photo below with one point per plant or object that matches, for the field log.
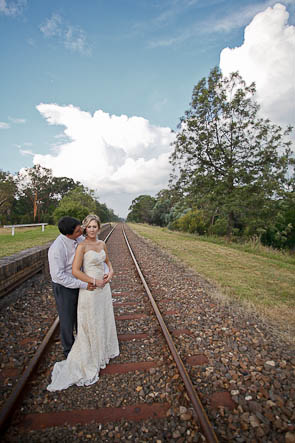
(66, 302)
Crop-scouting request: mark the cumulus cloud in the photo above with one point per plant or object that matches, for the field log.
(267, 57)
(72, 37)
(118, 156)
(12, 8)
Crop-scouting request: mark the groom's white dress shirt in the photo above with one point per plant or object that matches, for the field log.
(60, 256)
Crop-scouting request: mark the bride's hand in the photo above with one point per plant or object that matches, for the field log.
(108, 277)
(99, 283)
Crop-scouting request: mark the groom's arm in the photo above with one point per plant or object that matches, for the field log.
(57, 258)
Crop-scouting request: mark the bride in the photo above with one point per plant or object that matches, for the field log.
(96, 341)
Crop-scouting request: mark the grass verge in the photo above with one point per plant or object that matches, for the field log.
(25, 238)
(262, 279)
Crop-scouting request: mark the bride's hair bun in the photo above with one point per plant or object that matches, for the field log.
(89, 219)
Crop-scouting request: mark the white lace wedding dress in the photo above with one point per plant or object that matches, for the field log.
(96, 341)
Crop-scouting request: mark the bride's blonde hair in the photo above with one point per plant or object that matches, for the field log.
(89, 219)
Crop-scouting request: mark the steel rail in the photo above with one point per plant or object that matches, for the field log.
(14, 397)
(199, 410)
(16, 394)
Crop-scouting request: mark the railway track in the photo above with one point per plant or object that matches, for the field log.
(144, 356)
(26, 316)
(245, 377)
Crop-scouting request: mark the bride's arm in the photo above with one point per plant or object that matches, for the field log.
(76, 269)
(107, 261)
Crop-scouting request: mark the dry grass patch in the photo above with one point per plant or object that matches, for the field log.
(265, 284)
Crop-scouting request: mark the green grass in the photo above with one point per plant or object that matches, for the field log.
(258, 277)
(251, 246)
(25, 238)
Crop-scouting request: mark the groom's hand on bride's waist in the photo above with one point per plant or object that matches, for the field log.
(91, 287)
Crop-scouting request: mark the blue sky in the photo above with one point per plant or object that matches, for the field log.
(92, 89)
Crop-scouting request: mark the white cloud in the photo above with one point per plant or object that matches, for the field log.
(26, 152)
(218, 22)
(72, 37)
(53, 26)
(170, 41)
(75, 40)
(118, 156)
(12, 8)
(4, 125)
(17, 120)
(239, 17)
(267, 57)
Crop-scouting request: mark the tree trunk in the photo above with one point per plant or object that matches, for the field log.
(35, 206)
(230, 223)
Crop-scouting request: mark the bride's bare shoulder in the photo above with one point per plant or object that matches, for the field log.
(81, 246)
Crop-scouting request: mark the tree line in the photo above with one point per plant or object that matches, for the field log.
(232, 170)
(34, 195)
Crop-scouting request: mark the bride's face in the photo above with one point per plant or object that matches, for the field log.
(92, 229)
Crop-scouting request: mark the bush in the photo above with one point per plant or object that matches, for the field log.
(193, 222)
(219, 227)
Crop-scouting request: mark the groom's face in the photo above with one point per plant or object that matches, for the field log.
(77, 232)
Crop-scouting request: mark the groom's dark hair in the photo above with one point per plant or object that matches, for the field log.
(67, 225)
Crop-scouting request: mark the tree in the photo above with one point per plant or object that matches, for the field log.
(141, 209)
(162, 208)
(35, 194)
(62, 185)
(102, 211)
(105, 214)
(39, 193)
(34, 189)
(228, 161)
(77, 203)
(281, 232)
(7, 194)
(192, 221)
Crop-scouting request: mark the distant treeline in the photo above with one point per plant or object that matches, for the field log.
(34, 195)
(233, 172)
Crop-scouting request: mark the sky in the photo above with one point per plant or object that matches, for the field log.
(95, 89)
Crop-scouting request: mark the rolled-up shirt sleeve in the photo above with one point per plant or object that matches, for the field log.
(57, 257)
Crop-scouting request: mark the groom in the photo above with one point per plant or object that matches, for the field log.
(65, 285)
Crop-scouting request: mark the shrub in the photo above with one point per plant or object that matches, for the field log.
(193, 222)
(219, 227)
